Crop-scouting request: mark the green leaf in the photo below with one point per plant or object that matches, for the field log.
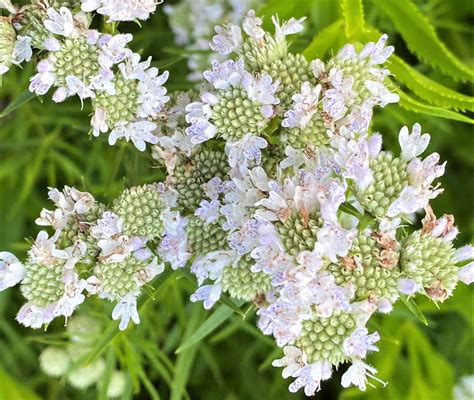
(415, 310)
(421, 38)
(353, 13)
(11, 389)
(428, 89)
(167, 62)
(324, 41)
(411, 104)
(185, 359)
(217, 318)
(112, 331)
(23, 98)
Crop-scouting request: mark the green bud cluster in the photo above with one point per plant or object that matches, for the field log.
(204, 238)
(192, 173)
(256, 55)
(43, 284)
(359, 70)
(235, 115)
(291, 71)
(243, 284)
(298, 236)
(368, 276)
(272, 155)
(314, 133)
(83, 377)
(390, 177)
(84, 329)
(54, 361)
(322, 338)
(32, 18)
(121, 106)
(118, 278)
(76, 57)
(7, 41)
(430, 262)
(78, 228)
(141, 209)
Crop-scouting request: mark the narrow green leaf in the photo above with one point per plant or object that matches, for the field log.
(415, 310)
(112, 331)
(23, 98)
(217, 318)
(167, 62)
(411, 104)
(421, 38)
(185, 359)
(324, 41)
(353, 13)
(428, 89)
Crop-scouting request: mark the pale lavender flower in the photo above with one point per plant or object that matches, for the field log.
(227, 40)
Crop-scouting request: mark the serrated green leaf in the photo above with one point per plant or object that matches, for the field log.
(411, 104)
(428, 89)
(422, 40)
(325, 41)
(23, 98)
(353, 13)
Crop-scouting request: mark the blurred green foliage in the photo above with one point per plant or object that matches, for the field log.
(44, 144)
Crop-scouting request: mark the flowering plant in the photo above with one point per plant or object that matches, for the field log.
(273, 190)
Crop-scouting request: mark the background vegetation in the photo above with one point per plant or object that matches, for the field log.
(44, 144)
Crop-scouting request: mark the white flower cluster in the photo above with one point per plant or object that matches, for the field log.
(126, 93)
(193, 24)
(14, 48)
(94, 250)
(121, 10)
(276, 192)
(297, 207)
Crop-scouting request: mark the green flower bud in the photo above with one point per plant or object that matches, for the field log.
(298, 236)
(322, 338)
(121, 106)
(243, 284)
(83, 377)
(291, 71)
(236, 115)
(76, 57)
(54, 361)
(257, 56)
(204, 238)
(32, 18)
(83, 329)
(357, 69)
(78, 228)
(141, 209)
(390, 177)
(117, 384)
(43, 284)
(192, 173)
(7, 41)
(371, 268)
(314, 133)
(118, 278)
(430, 262)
